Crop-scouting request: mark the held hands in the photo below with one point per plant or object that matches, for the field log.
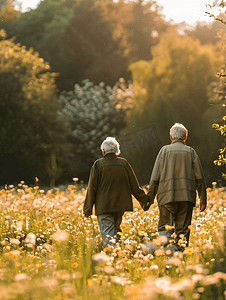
(146, 206)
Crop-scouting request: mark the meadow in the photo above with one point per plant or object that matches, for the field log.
(48, 250)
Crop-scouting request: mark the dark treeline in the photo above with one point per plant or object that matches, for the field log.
(62, 90)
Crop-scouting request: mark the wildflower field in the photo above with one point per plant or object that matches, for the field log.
(48, 250)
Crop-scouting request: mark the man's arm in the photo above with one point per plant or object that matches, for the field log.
(91, 191)
(155, 177)
(200, 181)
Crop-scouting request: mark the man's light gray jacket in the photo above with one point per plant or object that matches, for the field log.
(177, 175)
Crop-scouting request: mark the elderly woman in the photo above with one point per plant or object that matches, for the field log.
(176, 176)
(111, 185)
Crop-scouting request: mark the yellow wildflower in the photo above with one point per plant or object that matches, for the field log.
(141, 232)
(188, 251)
(74, 265)
(70, 187)
(121, 254)
(168, 227)
(106, 249)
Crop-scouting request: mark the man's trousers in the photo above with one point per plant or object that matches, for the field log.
(178, 215)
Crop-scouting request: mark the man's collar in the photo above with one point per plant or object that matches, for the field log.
(111, 154)
(178, 141)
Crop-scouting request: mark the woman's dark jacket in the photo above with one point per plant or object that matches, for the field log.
(111, 185)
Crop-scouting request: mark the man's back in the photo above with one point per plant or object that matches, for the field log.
(177, 162)
(176, 171)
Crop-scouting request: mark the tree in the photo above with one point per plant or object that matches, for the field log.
(138, 24)
(172, 79)
(42, 29)
(207, 33)
(93, 112)
(8, 12)
(144, 30)
(172, 87)
(89, 39)
(89, 43)
(30, 131)
(2, 2)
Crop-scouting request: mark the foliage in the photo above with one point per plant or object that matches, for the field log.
(42, 29)
(207, 33)
(173, 76)
(48, 250)
(41, 24)
(170, 88)
(93, 51)
(30, 132)
(93, 112)
(222, 156)
(8, 11)
(89, 39)
(2, 2)
(216, 18)
(75, 48)
(145, 29)
(138, 24)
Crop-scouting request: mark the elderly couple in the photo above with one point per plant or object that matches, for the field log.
(176, 176)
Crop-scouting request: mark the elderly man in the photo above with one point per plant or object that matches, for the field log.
(111, 185)
(176, 176)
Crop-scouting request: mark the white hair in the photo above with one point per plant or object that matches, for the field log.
(178, 131)
(110, 145)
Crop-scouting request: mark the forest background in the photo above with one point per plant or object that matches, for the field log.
(74, 72)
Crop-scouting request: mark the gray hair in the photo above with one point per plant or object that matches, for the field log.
(110, 145)
(178, 131)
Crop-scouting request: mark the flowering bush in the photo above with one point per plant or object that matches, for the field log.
(93, 112)
(48, 250)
